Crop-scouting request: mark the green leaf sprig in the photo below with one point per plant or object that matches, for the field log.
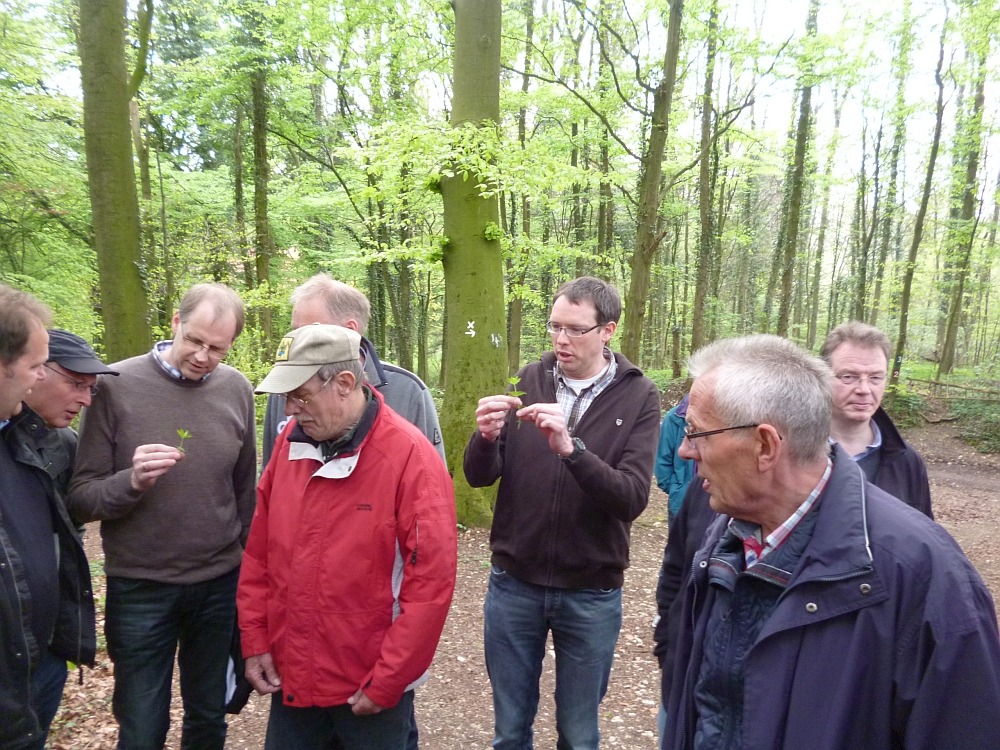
(183, 435)
(514, 392)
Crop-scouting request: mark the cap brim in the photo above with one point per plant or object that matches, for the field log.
(84, 365)
(284, 378)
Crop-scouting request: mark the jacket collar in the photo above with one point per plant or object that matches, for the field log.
(892, 441)
(840, 547)
(324, 450)
(373, 365)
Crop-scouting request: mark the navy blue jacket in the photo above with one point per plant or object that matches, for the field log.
(49, 453)
(885, 639)
(897, 468)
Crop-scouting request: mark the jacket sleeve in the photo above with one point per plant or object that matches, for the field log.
(622, 490)
(663, 468)
(96, 491)
(245, 470)
(426, 420)
(948, 670)
(427, 539)
(483, 460)
(672, 574)
(274, 413)
(253, 588)
(920, 486)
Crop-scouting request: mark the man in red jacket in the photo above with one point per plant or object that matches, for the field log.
(351, 560)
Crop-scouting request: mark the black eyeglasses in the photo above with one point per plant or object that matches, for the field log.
(692, 436)
(573, 333)
(77, 384)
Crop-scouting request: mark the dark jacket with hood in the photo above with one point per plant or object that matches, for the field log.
(49, 453)
(885, 637)
(563, 524)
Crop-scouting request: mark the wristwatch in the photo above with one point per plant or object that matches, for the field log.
(578, 449)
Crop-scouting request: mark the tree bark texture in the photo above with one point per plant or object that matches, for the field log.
(473, 271)
(111, 177)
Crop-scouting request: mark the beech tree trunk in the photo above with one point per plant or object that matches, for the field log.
(111, 177)
(473, 270)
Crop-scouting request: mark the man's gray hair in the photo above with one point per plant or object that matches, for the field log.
(342, 301)
(354, 366)
(855, 332)
(766, 379)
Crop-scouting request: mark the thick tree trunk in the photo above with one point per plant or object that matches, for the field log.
(111, 177)
(476, 361)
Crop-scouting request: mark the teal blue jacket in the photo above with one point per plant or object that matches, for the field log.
(673, 473)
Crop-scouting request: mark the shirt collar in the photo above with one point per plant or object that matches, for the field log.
(159, 349)
(754, 547)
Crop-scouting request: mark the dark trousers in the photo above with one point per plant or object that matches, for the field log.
(320, 728)
(47, 682)
(146, 624)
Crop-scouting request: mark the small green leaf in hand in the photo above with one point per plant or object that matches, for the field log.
(514, 392)
(183, 435)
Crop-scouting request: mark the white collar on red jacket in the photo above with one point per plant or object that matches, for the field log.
(338, 467)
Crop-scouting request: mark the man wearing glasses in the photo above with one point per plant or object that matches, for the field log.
(350, 565)
(821, 612)
(859, 355)
(574, 456)
(173, 522)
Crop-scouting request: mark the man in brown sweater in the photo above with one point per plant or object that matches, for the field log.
(173, 519)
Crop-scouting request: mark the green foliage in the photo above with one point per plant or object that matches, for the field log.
(183, 435)
(493, 232)
(513, 381)
(979, 423)
(904, 405)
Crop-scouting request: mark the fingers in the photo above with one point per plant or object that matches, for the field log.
(150, 462)
(491, 412)
(362, 705)
(262, 674)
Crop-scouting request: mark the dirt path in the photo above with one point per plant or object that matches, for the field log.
(454, 709)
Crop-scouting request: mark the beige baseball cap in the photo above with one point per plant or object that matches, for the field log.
(304, 351)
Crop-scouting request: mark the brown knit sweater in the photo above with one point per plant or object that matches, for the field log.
(190, 526)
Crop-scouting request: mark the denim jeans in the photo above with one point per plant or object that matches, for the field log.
(47, 682)
(145, 623)
(584, 624)
(318, 728)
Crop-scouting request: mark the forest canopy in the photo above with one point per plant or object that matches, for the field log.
(732, 167)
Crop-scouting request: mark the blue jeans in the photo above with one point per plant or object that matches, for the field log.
(319, 727)
(145, 622)
(47, 682)
(584, 624)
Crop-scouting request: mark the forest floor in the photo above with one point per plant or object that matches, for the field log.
(454, 709)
